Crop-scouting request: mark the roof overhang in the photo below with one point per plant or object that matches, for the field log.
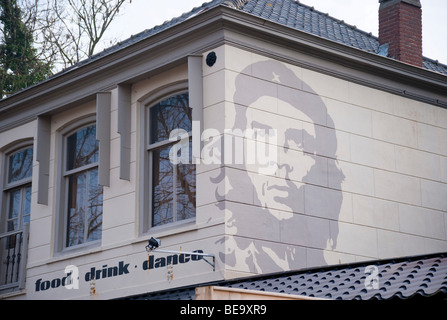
(219, 25)
(337, 59)
(400, 278)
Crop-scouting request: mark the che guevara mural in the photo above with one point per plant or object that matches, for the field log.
(287, 158)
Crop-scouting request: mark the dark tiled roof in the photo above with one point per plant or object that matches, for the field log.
(299, 16)
(434, 66)
(425, 276)
(290, 13)
(404, 278)
(296, 15)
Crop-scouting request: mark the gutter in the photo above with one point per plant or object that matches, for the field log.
(209, 29)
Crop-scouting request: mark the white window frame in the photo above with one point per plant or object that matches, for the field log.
(7, 187)
(63, 187)
(146, 164)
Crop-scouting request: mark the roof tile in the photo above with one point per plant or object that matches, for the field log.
(305, 18)
(405, 278)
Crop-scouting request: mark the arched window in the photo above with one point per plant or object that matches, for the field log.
(17, 187)
(172, 176)
(83, 205)
(15, 200)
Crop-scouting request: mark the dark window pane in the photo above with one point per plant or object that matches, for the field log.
(14, 203)
(172, 113)
(77, 192)
(94, 207)
(13, 225)
(173, 185)
(20, 165)
(186, 189)
(162, 187)
(84, 222)
(82, 148)
(26, 205)
(19, 207)
(84, 208)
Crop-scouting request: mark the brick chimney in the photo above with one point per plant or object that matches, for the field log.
(400, 28)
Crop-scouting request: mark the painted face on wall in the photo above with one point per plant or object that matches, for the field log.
(288, 162)
(292, 125)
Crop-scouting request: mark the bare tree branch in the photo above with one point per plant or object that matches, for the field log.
(68, 31)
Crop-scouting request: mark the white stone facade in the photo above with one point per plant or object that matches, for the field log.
(360, 174)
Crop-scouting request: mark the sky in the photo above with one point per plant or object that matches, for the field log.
(140, 15)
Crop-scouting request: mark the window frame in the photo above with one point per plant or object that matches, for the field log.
(147, 165)
(61, 231)
(7, 187)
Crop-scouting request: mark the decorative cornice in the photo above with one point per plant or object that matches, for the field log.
(212, 28)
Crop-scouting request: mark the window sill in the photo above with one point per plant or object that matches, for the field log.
(12, 294)
(169, 229)
(79, 249)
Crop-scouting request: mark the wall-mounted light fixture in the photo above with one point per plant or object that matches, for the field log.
(155, 243)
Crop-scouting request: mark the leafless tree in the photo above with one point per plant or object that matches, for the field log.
(68, 31)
